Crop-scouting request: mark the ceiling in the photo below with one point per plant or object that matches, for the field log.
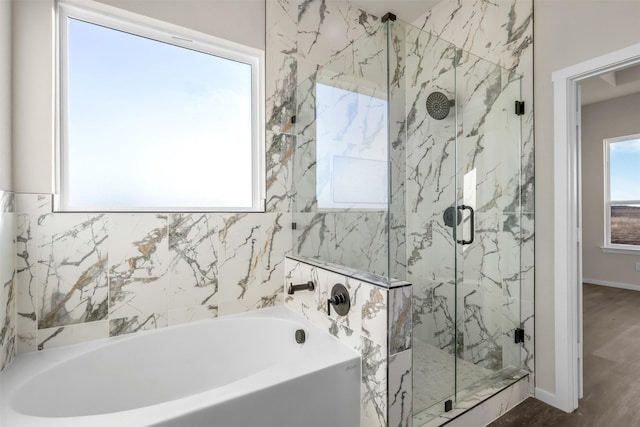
(611, 85)
(405, 10)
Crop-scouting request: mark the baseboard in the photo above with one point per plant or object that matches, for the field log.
(611, 284)
(546, 397)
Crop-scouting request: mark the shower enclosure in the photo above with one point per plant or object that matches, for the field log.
(407, 165)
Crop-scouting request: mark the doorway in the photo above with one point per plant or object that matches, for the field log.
(567, 219)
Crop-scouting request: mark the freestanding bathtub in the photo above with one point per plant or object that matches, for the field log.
(244, 370)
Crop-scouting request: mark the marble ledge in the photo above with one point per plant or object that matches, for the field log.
(372, 279)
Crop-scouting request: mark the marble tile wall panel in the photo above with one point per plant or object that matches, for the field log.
(72, 269)
(158, 270)
(30, 208)
(400, 319)
(374, 385)
(138, 254)
(252, 262)
(281, 64)
(354, 239)
(279, 180)
(481, 326)
(137, 323)
(325, 29)
(374, 312)
(400, 389)
(361, 241)
(8, 320)
(194, 258)
(304, 175)
(314, 236)
(67, 335)
(434, 316)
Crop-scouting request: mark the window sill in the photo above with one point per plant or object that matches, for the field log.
(625, 251)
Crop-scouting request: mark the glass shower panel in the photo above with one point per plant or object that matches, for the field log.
(429, 67)
(341, 162)
(488, 236)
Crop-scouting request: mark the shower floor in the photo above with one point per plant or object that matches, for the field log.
(434, 375)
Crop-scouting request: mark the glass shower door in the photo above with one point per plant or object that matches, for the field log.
(461, 140)
(487, 204)
(422, 79)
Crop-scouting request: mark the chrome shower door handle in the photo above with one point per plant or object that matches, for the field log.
(472, 233)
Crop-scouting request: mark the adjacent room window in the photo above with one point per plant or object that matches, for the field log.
(156, 120)
(622, 192)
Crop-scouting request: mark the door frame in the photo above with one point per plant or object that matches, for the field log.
(567, 232)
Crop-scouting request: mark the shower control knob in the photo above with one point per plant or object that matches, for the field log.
(339, 299)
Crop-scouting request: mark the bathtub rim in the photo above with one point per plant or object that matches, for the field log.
(14, 377)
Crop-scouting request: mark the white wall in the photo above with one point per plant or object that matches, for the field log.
(33, 95)
(566, 33)
(607, 119)
(5, 95)
(241, 21)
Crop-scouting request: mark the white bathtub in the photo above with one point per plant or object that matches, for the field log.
(244, 370)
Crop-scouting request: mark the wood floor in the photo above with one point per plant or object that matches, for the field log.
(611, 367)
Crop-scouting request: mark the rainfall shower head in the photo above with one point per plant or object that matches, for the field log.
(438, 105)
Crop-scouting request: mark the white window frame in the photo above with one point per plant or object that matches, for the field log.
(121, 20)
(608, 246)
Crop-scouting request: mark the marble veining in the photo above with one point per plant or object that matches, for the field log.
(400, 389)
(72, 269)
(88, 276)
(8, 321)
(194, 252)
(400, 320)
(138, 271)
(374, 385)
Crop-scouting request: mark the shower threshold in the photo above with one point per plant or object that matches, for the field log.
(472, 396)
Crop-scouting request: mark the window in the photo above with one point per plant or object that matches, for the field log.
(351, 149)
(154, 119)
(622, 204)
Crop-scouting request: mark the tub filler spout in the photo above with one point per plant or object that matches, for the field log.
(309, 286)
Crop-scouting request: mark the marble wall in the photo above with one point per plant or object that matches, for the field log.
(377, 326)
(7, 279)
(88, 276)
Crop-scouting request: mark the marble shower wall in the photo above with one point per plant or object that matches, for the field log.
(377, 326)
(319, 41)
(496, 295)
(7, 279)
